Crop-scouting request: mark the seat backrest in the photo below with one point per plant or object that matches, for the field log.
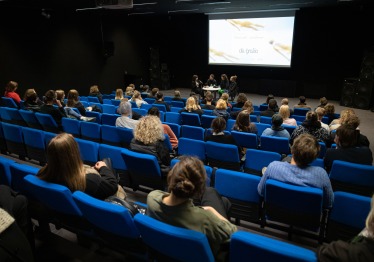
(173, 117)
(93, 99)
(161, 107)
(140, 111)
(176, 128)
(230, 124)
(206, 120)
(174, 242)
(253, 118)
(207, 112)
(190, 119)
(114, 153)
(47, 122)
(353, 178)
(5, 174)
(48, 137)
(71, 126)
(149, 100)
(30, 118)
(126, 135)
(14, 116)
(89, 151)
(91, 131)
(275, 144)
(193, 132)
(8, 102)
(144, 106)
(110, 135)
(12, 133)
(109, 108)
(322, 150)
(179, 104)
(56, 197)
(262, 248)
(261, 127)
(115, 102)
(109, 119)
(19, 171)
(257, 159)
(222, 155)
(289, 128)
(192, 147)
(286, 203)
(300, 111)
(247, 140)
(106, 216)
(97, 115)
(265, 120)
(298, 118)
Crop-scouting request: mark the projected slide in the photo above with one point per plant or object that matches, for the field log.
(251, 41)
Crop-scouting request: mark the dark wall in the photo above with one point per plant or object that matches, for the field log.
(66, 51)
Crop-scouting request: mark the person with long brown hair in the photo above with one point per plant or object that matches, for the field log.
(243, 123)
(65, 167)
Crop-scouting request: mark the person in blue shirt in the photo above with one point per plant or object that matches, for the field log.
(276, 129)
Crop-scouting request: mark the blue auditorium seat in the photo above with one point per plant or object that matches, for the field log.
(257, 159)
(34, 143)
(192, 132)
(222, 155)
(192, 147)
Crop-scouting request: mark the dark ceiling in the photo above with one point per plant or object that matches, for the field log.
(164, 7)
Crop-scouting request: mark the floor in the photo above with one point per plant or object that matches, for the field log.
(61, 245)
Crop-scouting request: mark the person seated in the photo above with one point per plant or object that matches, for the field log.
(221, 109)
(196, 86)
(240, 101)
(73, 101)
(302, 103)
(153, 93)
(129, 91)
(137, 98)
(224, 85)
(32, 101)
(359, 249)
(218, 127)
(211, 81)
(299, 172)
(160, 101)
(149, 139)
(248, 106)
(330, 112)
(144, 89)
(125, 120)
(191, 107)
(344, 115)
(322, 102)
(154, 111)
(268, 98)
(271, 110)
(10, 92)
(177, 96)
(208, 103)
(284, 112)
(94, 91)
(311, 126)
(58, 113)
(276, 128)
(65, 167)
(320, 114)
(119, 94)
(347, 148)
(285, 103)
(243, 123)
(187, 181)
(60, 95)
(225, 96)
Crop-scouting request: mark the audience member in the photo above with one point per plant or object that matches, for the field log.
(311, 126)
(272, 108)
(119, 94)
(299, 172)
(221, 109)
(160, 101)
(353, 121)
(320, 113)
(94, 91)
(208, 102)
(177, 96)
(153, 93)
(211, 81)
(322, 102)
(149, 139)
(276, 128)
(186, 181)
(284, 102)
(359, 249)
(330, 112)
(302, 103)
(10, 91)
(144, 89)
(284, 112)
(225, 96)
(191, 107)
(218, 127)
(65, 167)
(125, 120)
(129, 91)
(268, 98)
(344, 115)
(248, 106)
(233, 88)
(242, 98)
(347, 149)
(73, 101)
(154, 111)
(243, 123)
(60, 95)
(32, 101)
(137, 98)
(48, 108)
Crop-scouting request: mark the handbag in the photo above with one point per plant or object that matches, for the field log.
(133, 209)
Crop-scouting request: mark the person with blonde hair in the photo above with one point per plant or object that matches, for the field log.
(225, 96)
(10, 91)
(344, 115)
(149, 139)
(119, 94)
(129, 91)
(320, 113)
(94, 91)
(137, 98)
(125, 120)
(284, 112)
(154, 111)
(221, 109)
(65, 167)
(285, 102)
(191, 107)
(177, 96)
(186, 186)
(359, 249)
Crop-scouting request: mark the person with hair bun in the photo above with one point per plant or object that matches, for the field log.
(187, 181)
(311, 126)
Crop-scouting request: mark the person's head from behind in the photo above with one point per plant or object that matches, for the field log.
(11, 86)
(302, 100)
(94, 89)
(284, 112)
(221, 104)
(149, 130)
(270, 96)
(124, 108)
(272, 104)
(312, 117)
(136, 95)
(352, 121)
(233, 78)
(191, 104)
(248, 106)
(330, 109)
(154, 111)
(276, 120)
(225, 96)
(346, 136)
(73, 97)
(284, 101)
(305, 150)
(323, 101)
(65, 165)
(346, 114)
(218, 124)
(50, 97)
(187, 178)
(177, 94)
(60, 94)
(160, 96)
(320, 112)
(30, 95)
(154, 91)
(242, 98)
(209, 98)
(243, 121)
(119, 94)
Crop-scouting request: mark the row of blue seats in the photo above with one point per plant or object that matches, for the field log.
(236, 186)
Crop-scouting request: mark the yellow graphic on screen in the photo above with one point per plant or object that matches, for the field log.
(244, 24)
(216, 54)
(282, 49)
